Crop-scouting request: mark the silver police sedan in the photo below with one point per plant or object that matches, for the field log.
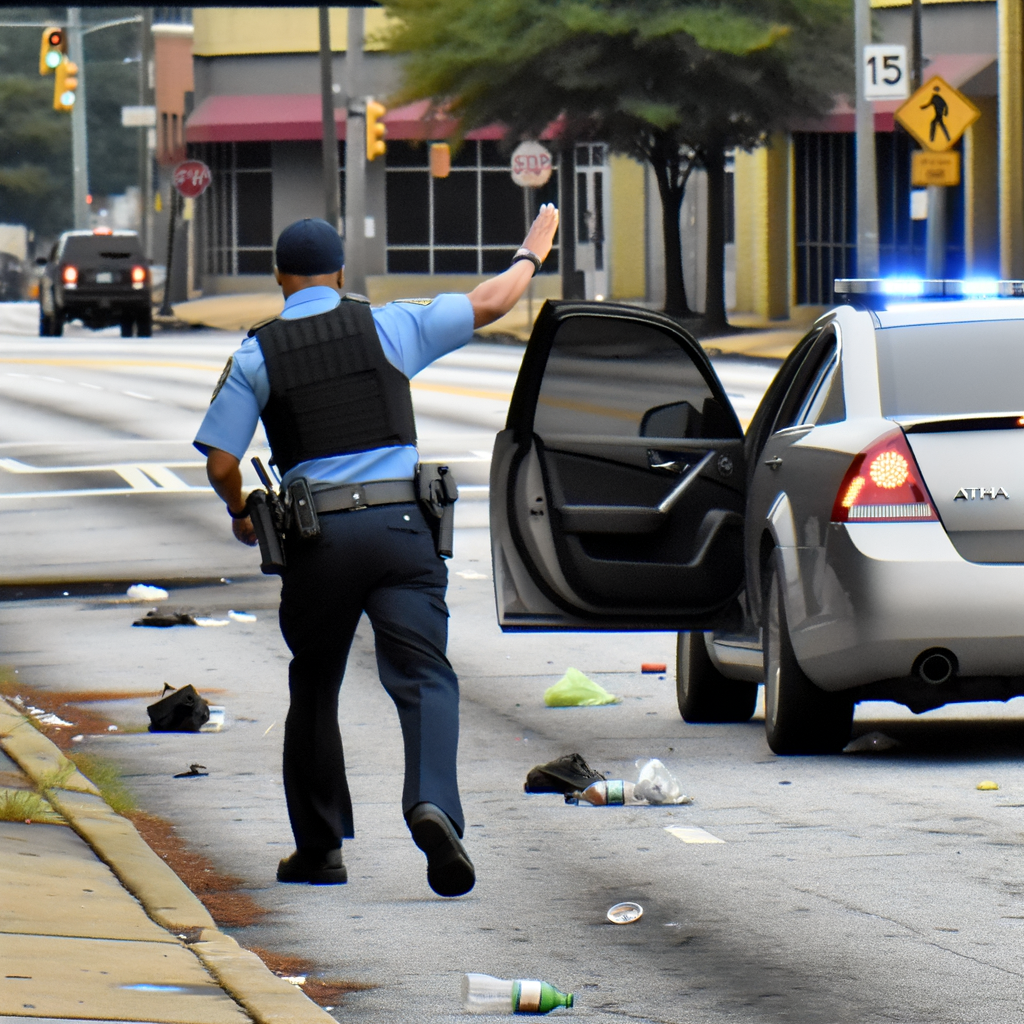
(862, 540)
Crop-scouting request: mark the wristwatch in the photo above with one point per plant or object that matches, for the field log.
(244, 514)
(522, 253)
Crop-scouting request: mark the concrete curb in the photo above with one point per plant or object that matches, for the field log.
(166, 899)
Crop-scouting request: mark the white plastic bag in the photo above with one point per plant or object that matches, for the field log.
(656, 784)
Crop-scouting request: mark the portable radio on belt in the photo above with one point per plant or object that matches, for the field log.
(304, 517)
(268, 521)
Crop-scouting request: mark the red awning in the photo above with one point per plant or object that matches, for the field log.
(956, 68)
(279, 118)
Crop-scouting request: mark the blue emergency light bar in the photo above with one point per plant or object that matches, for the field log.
(872, 291)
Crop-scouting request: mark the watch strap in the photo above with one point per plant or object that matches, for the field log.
(522, 253)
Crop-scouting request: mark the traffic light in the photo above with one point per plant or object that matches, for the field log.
(375, 129)
(65, 84)
(52, 50)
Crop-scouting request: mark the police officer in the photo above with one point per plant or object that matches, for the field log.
(330, 380)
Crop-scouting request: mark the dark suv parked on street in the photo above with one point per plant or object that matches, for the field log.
(99, 277)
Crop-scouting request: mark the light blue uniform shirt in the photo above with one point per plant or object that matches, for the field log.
(412, 335)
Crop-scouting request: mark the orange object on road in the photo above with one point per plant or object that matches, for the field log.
(653, 666)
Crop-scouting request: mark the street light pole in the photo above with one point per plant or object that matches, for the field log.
(355, 157)
(867, 183)
(79, 137)
(329, 148)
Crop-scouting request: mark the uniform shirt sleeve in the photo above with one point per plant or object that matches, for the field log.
(231, 420)
(414, 334)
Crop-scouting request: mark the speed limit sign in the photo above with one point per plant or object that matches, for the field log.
(885, 72)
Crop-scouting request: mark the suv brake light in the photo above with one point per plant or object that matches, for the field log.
(884, 485)
(102, 231)
(70, 276)
(138, 277)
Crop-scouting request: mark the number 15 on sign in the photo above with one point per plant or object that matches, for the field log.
(885, 72)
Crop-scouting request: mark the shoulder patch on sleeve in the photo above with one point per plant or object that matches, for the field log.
(222, 380)
(416, 302)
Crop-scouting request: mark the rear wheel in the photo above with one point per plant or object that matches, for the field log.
(144, 324)
(703, 693)
(45, 325)
(127, 327)
(57, 323)
(799, 718)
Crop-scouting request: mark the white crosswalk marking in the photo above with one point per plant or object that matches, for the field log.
(692, 834)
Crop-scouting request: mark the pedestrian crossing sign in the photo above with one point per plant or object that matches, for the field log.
(937, 115)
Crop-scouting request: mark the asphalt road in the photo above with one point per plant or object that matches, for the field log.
(873, 886)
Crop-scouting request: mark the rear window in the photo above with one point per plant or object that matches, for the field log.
(951, 369)
(101, 247)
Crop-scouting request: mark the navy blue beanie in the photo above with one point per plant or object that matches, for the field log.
(309, 248)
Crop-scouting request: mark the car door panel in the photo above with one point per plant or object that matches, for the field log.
(607, 492)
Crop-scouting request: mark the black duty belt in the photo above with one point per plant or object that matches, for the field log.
(346, 497)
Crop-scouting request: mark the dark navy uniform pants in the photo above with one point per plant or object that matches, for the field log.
(382, 561)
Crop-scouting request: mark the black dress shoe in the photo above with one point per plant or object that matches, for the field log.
(449, 869)
(313, 868)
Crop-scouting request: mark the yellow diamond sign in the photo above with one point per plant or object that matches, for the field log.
(937, 115)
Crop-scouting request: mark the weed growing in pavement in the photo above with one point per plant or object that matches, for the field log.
(107, 778)
(56, 778)
(24, 805)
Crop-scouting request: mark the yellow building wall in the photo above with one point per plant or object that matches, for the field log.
(762, 212)
(627, 229)
(981, 189)
(224, 31)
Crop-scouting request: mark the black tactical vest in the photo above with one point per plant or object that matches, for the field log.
(332, 390)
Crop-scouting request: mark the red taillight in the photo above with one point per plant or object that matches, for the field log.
(71, 275)
(884, 485)
(138, 275)
(102, 231)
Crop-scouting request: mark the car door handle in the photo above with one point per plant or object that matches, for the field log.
(773, 463)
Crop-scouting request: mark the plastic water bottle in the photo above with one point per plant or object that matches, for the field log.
(483, 994)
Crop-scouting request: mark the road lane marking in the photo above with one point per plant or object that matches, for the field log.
(135, 478)
(91, 387)
(692, 834)
(16, 466)
(95, 492)
(54, 380)
(164, 477)
(138, 394)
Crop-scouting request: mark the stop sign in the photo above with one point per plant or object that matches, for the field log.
(531, 165)
(192, 178)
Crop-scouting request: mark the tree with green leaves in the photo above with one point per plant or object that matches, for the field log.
(675, 83)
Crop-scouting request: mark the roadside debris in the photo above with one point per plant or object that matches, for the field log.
(200, 621)
(181, 710)
(625, 913)
(216, 720)
(195, 771)
(655, 667)
(988, 785)
(155, 617)
(574, 689)
(872, 741)
(144, 592)
(563, 775)
(483, 994)
(241, 616)
(656, 785)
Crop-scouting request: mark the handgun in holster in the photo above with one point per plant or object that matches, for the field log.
(269, 521)
(438, 492)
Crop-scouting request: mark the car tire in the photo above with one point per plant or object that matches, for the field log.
(799, 717)
(57, 324)
(45, 326)
(144, 324)
(128, 327)
(704, 695)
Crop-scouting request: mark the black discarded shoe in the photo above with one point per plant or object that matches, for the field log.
(324, 868)
(563, 775)
(449, 869)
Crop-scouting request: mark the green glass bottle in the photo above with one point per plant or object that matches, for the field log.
(538, 997)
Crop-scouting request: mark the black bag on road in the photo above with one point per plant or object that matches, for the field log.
(181, 710)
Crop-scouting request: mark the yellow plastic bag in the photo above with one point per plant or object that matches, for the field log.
(575, 690)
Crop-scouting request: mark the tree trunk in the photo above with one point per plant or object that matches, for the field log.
(665, 160)
(714, 301)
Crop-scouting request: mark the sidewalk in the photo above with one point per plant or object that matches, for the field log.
(94, 926)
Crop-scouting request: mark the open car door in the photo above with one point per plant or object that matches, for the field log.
(617, 485)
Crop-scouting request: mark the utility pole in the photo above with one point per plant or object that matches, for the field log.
(329, 148)
(146, 135)
(935, 227)
(79, 137)
(355, 157)
(867, 184)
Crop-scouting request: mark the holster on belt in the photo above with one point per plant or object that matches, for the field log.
(438, 492)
